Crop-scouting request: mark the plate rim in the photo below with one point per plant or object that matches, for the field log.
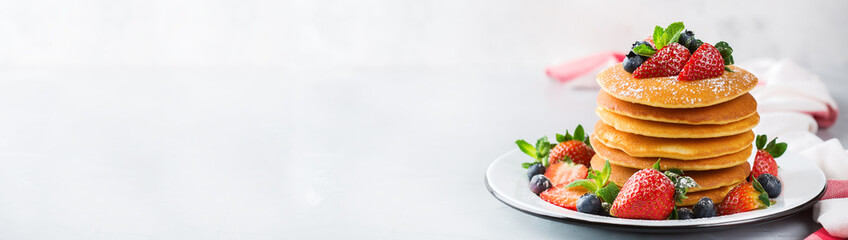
(649, 228)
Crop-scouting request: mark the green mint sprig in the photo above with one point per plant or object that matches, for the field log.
(539, 152)
(665, 36)
(598, 183)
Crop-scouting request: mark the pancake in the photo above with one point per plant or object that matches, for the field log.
(668, 92)
(717, 195)
(731, 111)
(674, 130)
(620, 158)
(707, 180)
(684, 149)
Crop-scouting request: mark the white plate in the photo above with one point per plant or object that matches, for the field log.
(803, 184)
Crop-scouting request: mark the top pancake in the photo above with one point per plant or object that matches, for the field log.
(668, 92)
(731, 111)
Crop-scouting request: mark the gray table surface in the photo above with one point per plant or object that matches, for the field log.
(283, 154)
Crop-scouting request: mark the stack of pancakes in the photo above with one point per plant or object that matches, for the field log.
(702, 127)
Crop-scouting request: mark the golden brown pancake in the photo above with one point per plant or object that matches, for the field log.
(717, 195)
(726, 112)
(668, 92)
(684, 149)
(620, 158)
(707, 180)
(674, 130)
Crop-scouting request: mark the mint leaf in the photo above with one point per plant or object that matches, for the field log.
(673, 215)
(526, 147)
(545, 161)
(579, 135)
(672, 32)
(586, 183)
(527, 164)
(763, 195)
(644, 50)
(658, 32)
(608, 193)
(604, 174)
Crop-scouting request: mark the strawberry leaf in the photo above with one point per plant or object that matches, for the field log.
(761, 141)
(728, 69)
(579, 135)
(770, 145)
(526, 148)
(673, 215)
(644, 50)
(608, 193)
(726, 52)
(560, 137)
(778, 150)
(588, 142)
(656, 166)
(586, 183)
(568, 136)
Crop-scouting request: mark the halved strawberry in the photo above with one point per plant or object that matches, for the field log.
(565, 172)
(564, 196)
(574, 147)
(668, 61)
(706, 62)
(744, 197)
(766, 153)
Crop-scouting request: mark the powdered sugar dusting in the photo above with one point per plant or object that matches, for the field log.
(671, 93)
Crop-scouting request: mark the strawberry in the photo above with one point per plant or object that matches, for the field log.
(706, 62)
(766, 153)
(650, 194)
(564, 196)
(577, 148)
(668, 61)
(565, 172)
(744, 197)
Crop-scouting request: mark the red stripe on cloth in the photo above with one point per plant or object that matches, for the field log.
(836, 189)
(821, 234)
(573, 69)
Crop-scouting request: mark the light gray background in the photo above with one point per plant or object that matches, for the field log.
(324, 119)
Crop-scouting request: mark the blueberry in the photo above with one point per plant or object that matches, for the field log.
(771, 184)
(535, 169)
(632, 61)
(704, 208)
(685, 213)
(695, 45)
(686, 38)
(637, 43)
(589, 203)
(539, 183)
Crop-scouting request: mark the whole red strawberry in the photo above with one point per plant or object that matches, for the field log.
(744, 197)
(564, 196)
(766, 153)
(706, 62)
(647, 194)
(576, 148)
(668, 61)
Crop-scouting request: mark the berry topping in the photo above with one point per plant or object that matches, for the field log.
(685, 213)
(704, 208)
(539, 184)
(771, 184)
(633, 61)
(766, 153)
(706, 62)
(565, 172)
(668, 61)
(744, 197)
(687, 38)
(589, 203)
(563, 196)
(572, 148)
(535, 169)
